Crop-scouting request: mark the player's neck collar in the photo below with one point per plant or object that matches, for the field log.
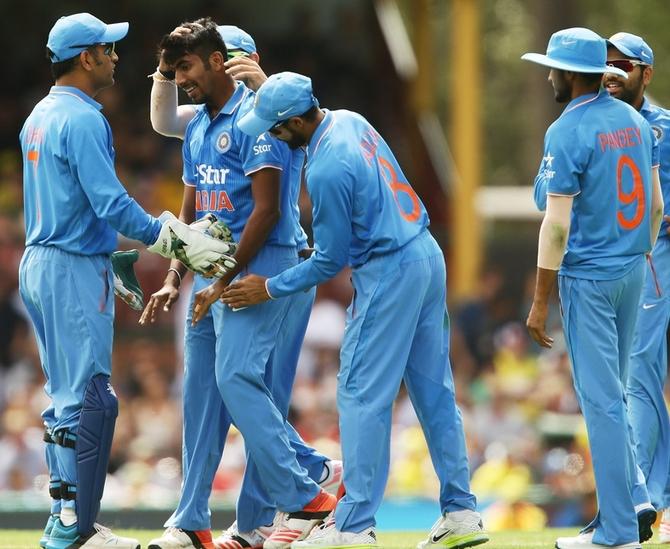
(321, 130)
(79, 94)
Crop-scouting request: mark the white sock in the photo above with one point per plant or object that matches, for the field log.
(67, 516)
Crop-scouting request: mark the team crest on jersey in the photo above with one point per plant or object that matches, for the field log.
(658, 132)
(223, 142)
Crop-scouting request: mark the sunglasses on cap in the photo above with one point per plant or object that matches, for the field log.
(108, 47)
(626, 65)
(233, 53)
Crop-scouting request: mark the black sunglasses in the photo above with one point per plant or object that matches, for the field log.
(108, 47)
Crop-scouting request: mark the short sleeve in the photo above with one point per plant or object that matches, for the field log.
(563, 161)
(188, 175)
(261, 152)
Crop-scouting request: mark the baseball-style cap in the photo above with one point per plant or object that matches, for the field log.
(72, 34)
(281, 96)
(577, 50)
(236, 40)
(632, 46)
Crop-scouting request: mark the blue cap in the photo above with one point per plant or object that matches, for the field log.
(577, 50)
(72, 34)
(281, 96)
(237, 39)
(632, 46)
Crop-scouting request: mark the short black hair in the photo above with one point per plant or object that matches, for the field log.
(591, 78)
(310, 115)
(203, 40)
(61, 68)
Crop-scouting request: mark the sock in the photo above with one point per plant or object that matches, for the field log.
(67, 516)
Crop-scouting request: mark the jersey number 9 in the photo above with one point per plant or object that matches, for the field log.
(635, 196)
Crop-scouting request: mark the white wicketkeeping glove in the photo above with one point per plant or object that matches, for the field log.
(198, 251)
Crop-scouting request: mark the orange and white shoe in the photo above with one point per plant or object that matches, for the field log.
(234, 539)
(332, 480)
(176, 538)
(297, 525)
(664, 529)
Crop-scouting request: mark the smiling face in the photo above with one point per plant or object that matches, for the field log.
(630, 90)
(194, 77)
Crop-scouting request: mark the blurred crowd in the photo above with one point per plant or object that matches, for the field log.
(528, 449)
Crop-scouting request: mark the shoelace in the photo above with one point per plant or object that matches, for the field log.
(102, 530)
(280, 519)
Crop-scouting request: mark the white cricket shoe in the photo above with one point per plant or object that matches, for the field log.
(585, 541)
(327, 535)
(100, 538)
(234, 539)
(297, 525)
(333, 479)
(664, 530)
(456, 530)
(176, 538)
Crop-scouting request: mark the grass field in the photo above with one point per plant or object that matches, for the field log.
(27, 539)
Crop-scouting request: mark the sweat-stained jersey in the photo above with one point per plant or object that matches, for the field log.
(601, 151)
(219, 160)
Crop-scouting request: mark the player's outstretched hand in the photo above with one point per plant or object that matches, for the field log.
(164, 298)
(203, 300)
(247, 291)
(197, 250)
(537, 319)
(246, 70)
(126, 286)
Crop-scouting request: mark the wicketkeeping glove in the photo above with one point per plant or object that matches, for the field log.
(198, 251)
(210, 224)
(126, 285)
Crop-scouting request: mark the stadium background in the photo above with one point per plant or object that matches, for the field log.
(442, 81)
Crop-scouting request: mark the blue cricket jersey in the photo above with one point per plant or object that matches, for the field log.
(659, 120)
(601, 151)
(219, 160)
(362, 204)
(72, 198)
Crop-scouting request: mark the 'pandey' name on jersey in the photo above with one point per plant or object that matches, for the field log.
(601, 151)
(219, 160)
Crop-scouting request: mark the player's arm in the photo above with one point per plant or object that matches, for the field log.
(656, 204)
(89, 149)
(552, 242)
(169, 292)
(332, 207)
(264, 216)
(167, 116)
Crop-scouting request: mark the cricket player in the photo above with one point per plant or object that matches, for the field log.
(603, 213)
(170, 119)
(366, 214)
(74, 205)
(649, 358)
(231, 357)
